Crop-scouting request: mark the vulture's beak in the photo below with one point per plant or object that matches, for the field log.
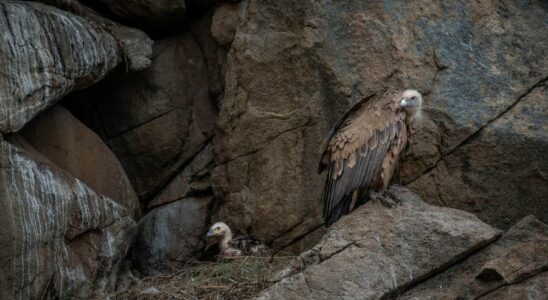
(209, 234)
(404, 102)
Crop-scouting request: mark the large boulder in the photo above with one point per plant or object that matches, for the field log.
(59, 238)
(170, 235)
(61, 53)
(294, 67)
(502, 172)
(71, 146)
(155, 120)
(515, 264)
(135, 44)
(376, 252)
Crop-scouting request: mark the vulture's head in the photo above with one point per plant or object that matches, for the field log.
(219, 230)
(411, 103)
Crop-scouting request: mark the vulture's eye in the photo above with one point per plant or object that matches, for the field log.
(413, 98)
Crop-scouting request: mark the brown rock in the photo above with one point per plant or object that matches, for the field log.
(71, 146)
(376, 252)
(63, 52)
(59, 239)
(225, 22)
(294, 67)
(156, 120)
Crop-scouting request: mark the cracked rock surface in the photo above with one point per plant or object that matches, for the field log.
(417, 251)
(295, 67)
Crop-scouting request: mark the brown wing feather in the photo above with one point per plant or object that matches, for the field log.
(356, 150)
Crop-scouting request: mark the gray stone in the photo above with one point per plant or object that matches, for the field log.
(193, 181)
(59, 238)
(169, 235)
(149, 12)
(136, 46)
(515, 260)
(376, 252)
(50, 53)
(500, 174)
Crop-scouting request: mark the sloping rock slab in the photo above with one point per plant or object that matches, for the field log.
(377, 252)
(73, 147)
(516, 259)
(62, 52)
(58, 239)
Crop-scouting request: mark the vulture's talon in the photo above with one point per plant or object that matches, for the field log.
(387, 201)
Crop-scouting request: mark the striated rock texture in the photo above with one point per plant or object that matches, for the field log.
(61, 53)
(71, 146)
(375, 252)
(135, 44)
(59, 238)
(169, 235)
(157, 120)
(294, 67)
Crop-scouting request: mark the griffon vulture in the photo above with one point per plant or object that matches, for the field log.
(230, 246)
(363, 149)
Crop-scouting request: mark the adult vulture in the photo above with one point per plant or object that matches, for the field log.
(363, 149)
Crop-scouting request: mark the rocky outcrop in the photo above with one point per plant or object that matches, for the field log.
(71, 146)
(294, 67)
(501, 172)
(513, 265)
(136, 46)
(376, 253)
(157, 120)
(63, 52)
(59, 238)
(169, 235)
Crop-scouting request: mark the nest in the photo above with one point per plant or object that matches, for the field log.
(237, 278)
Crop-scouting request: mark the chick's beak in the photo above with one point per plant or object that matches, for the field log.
(209, 234)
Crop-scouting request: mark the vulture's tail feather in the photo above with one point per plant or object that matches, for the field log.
(341, 209)
(344, 207)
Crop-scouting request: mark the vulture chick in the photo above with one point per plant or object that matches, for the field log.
(363, 149)
(230, 246)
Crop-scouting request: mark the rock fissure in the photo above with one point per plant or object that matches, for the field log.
(474, 135)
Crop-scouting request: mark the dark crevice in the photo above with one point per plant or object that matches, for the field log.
(140, 124)
(476, 134)
(322, 259)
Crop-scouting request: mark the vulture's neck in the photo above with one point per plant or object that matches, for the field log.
(224, 244)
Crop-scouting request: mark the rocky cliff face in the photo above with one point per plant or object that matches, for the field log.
(135, 146)
(294, 67)
(418, 251)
